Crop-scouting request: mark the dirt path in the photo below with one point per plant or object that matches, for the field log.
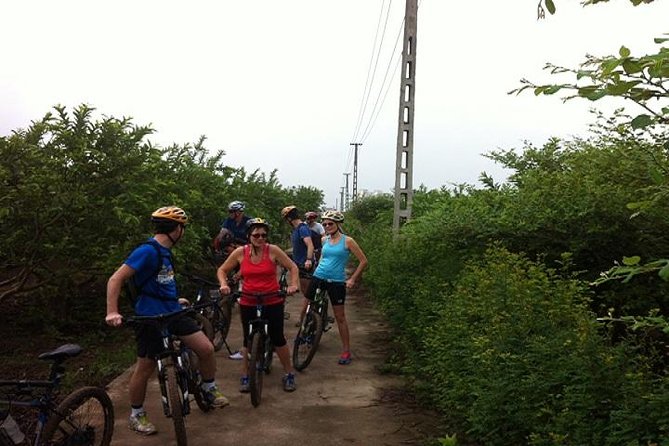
(333, 404)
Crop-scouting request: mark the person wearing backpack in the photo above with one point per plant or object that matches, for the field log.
(317, 233)
(150, 268)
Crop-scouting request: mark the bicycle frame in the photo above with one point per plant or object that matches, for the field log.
(260, 344)
(43, 397)
(45, 404)
(220, 319)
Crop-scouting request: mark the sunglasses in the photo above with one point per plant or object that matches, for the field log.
(259, 235)
(328, 224)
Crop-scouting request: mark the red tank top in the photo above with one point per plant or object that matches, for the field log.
(258, 278)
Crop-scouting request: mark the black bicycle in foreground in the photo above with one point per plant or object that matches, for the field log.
(85, 417)
(315, 322)
(261, 349)
(178, 372)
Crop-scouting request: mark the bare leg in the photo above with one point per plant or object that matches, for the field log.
(284, 356)
(202, 346)
(342, 324)
(144, 368)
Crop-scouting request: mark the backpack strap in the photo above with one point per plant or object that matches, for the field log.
(140, 286)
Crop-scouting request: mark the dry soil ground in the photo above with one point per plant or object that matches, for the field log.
(333, 404)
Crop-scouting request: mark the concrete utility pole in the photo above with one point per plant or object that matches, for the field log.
(341, 208)
(404, 159)
(347, 204)
(355, 170)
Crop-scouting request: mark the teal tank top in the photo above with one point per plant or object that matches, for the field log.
(332, 265)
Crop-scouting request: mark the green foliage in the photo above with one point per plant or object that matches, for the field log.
(550, 5)
(511, 350)
(510, 353)
(373, 209)
(640, 80)
(77, 196)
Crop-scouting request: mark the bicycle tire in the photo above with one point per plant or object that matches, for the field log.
(256, 372)
(268, 356)
(307, 340)
(85, 417)
(176, 404)
(192, 365)
(221, 320)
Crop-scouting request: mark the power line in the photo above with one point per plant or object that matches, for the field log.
(372, 117)
(376, 63)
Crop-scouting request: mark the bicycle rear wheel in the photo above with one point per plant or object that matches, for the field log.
(85, 417)
(192, 366)
(307, 339)
(256, 371)
(176, 404)
(221, 322)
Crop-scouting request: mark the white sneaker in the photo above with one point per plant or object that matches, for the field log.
(141, 424)
(236, 355)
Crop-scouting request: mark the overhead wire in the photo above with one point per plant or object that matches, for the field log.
(369, 82)
(368, 91)
(373, 117)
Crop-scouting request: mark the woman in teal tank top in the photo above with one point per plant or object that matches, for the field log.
(330, 274)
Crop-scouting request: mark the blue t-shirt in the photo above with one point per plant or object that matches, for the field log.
(158, 293)
(334, 258)
(297, 240)
(238, 230)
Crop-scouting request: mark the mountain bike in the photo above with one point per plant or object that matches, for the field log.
(219, 313)
(84, 417)
(315, 322)
(261, 347)
(178, 372)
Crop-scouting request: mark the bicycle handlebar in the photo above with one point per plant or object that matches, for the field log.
(165, 317)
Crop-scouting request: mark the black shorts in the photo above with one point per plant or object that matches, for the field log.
(150, 341)
(336, 290)
(274, 316)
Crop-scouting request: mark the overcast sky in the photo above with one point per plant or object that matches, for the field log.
(279, 84)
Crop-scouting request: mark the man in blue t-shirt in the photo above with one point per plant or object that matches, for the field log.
(236, 222)
(300, 238)
(151, 269)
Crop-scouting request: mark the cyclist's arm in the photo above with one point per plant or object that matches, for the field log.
(283, 260)
(310, 252)
(233, 260)
(114, 285)
(353, 246)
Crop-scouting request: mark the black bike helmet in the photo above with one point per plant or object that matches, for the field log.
(254, 222)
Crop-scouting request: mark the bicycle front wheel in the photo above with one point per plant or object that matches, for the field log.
(176, 404)
(307, 339)
(85, 417)
(256, 363)
(268, 356)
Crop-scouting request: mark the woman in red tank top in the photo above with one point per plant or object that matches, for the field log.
(257, 262)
